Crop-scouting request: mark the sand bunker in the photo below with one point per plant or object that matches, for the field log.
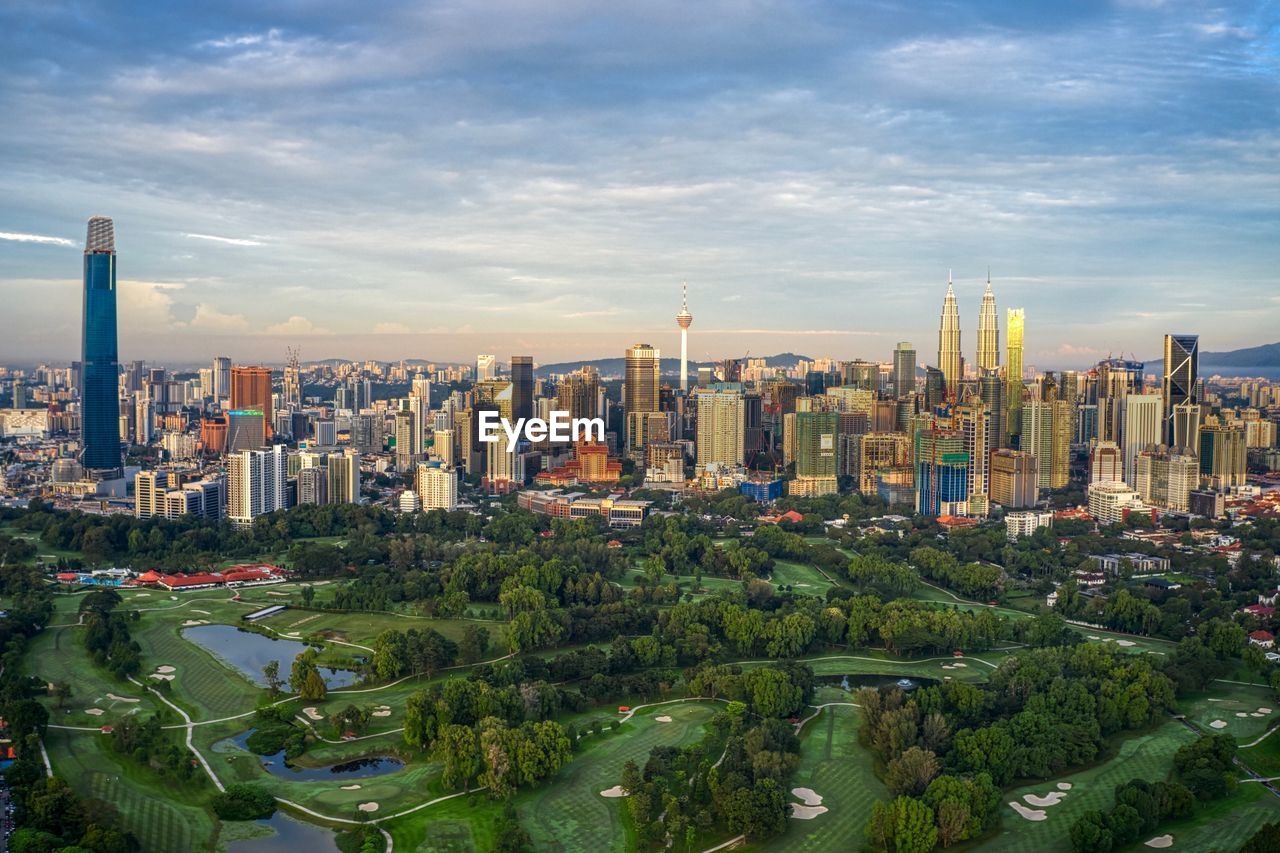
(615, 791)
(313, 713)
(94, 712)
(1216, 700)
(960, 665)
(274, 592)
(1256, 714)
(201, 612)
(166, 668)
(809, 796)
(143, 595)
(159, 676)
(351, 787)
(116, 698)
(368, 807)
(662, 719)
(1241, 714)
(802, 584)
(1094, 637)
(386, 713)
(1264, 710)
(1125, 643)
(1050, 799)
(947, 666)
(1027, 814)
(1160, 841)
(187, 623)
(800, 812)
(1217, 724)
(1064, 786)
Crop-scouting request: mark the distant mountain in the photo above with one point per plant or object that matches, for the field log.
(1267, 355)
(615, 366)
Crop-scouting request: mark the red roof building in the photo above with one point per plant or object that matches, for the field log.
(200, 580)
(1265, 639)
(790, 515)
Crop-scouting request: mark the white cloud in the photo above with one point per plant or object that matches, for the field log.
(209, 318)
(36, 238)
(230, 241)
(296, 325)
(391, 329)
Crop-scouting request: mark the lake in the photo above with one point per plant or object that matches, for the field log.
(359, 768)
(249, 652)
(290, 835)
(853, 682)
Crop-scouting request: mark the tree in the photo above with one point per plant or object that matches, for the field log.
(314, 688)
(903, 826)
(1089, 834)
(461, 753)
(242, 801)
(1265, 840)
(271, 672)
(61, 692)
(911, 772)
(772, 693)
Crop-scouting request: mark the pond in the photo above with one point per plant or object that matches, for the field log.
(853, 682)
(290, 835)
(359, 768)
(249, 652)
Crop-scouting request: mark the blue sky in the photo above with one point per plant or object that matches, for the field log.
(439, 179)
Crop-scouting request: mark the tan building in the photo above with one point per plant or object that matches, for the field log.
(720, 427)
(640, 390)
(1014, 478)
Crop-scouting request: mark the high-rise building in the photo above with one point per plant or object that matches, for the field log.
(721, 426)
(344, 477)
(1015, 479)
(521, 386)
(991, 390)
(950, 358)
(1186, 428)
(292, 383)
(880, 451)
(1117, 379)
(1142, 427)
(313, 485)
(684, 320)
(437, 487)
(904, 369)
(100, 397)
(640, 391)
(988, 331)
(256, 483)
(251, 390)
(579, 393)
(406, 455)
(1037, 438)
(815, 454)
(486, 368)
(1166, 479)
(1222, 455)
(942, 472)
(1106, 463)
(245, 430)
(1013, 390)
(221, 378)
(1181, 371)
(1111, 502)
(971, 418)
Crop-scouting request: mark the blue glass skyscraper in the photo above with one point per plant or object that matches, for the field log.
(100, 401)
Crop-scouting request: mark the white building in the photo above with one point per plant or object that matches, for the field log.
(437, 487)
(1143, 426)
(1019, 524)
(1110, 500)
(256, 483)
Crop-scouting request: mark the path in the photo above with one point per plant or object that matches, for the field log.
(190, 727)
(817, 709)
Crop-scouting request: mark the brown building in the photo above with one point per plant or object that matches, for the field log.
(1014, 479)
(213, 435)
(251, 389)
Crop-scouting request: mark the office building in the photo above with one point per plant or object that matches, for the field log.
(950, 358)
(221, 378)
(904, 370)
(1186, 427)
(1015, 478)
(437, 487)
(1223, 455)
(344, 477)
(100, 366)
(815, 454)
(988, 332)
(1106, 462)
(1111, 502)
(971, 419)
(406, 454)
(942, 472)
(1181, 372)
(640, 393)
(1020, 524)
(313, 485)
(1142, 427)
(251, 391)
(991, 390)
(579, 393)
(486, 368)
(1013, 390)
(521, 386)
(245, 430)
(257, 483)
(1166, 479)
(878, 452)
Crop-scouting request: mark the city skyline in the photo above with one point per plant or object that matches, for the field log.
(442, 181)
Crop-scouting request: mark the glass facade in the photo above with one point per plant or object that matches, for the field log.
(100, 400)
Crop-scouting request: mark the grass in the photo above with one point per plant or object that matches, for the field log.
(835, 766)
(803, 577)
(162, 813)
(1224, 701)
(1223, 825)
(57, 655)
(1146, 756)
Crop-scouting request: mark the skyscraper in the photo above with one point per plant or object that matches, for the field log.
(100, 401)
(579, 393)
(721, 426)
(521, 386)
(991, 389)
(639, 391)
(950, 360)
(988, 331)
(1013, 327)
(904, 369)
(251, 390)
(256, 484)
(1181, 368)
(221, 378)
(292, 385)
(942, 472)
(1143, 426)
(684, 320)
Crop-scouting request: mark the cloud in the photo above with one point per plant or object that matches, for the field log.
(210, 319)
(36, 238)
(391, 329)
(231, 241)
(241, 41)
(603, 312)
(296, 325)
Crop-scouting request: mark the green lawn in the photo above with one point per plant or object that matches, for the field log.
(1225, 703)
(836, 767)
(803, 577)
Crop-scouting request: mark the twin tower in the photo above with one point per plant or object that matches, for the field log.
(950, 357)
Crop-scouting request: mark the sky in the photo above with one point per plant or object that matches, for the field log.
(437, 179)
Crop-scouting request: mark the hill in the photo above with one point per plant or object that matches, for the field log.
(1267, 355)
(670, 366)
